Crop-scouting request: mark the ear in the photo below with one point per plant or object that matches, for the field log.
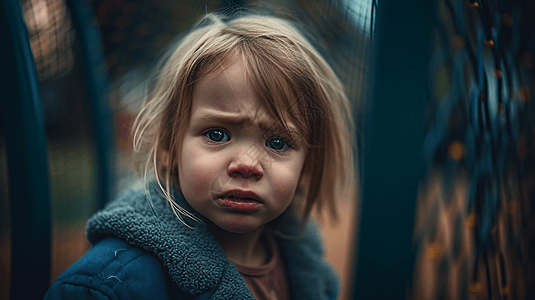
(302, 185)
(167, 165)
(304, 177)
(162, 157)
(163, 162)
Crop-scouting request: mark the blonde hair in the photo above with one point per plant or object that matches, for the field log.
(292, 81)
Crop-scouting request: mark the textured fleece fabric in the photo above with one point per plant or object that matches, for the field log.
(151, 254)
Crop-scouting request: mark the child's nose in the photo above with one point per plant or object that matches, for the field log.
(244, 170)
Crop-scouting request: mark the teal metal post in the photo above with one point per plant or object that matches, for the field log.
(96, 80)
(24, 131)
(393, 138)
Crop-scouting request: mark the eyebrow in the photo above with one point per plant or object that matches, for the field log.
(233, 118)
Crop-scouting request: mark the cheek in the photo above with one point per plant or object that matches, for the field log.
(196, 173)
(285, 182)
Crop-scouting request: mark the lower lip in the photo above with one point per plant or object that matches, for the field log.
(242, 205)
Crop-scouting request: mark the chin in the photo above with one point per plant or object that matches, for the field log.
(236, 226)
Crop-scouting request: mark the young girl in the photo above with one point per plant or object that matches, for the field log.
(247, 131)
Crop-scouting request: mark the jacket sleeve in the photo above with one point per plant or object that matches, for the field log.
(112, 269)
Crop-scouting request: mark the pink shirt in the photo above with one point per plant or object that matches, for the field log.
(267, 282)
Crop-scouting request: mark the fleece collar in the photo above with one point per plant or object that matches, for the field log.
(195, 261)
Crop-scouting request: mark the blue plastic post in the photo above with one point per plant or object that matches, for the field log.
(27, 159)
(96, 80)
(392, 149)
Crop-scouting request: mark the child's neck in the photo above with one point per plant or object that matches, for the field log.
(246, 249)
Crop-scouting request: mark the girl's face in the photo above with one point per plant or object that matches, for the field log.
(234, 168)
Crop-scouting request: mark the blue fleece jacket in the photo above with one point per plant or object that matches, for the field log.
(142, 251)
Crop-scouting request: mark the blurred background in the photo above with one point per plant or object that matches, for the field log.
(441, 91)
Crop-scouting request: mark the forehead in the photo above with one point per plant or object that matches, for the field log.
(226, 88)
(230, 92)
(227, 92)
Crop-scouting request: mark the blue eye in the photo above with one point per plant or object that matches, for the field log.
(218, 136)
(278, 143)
